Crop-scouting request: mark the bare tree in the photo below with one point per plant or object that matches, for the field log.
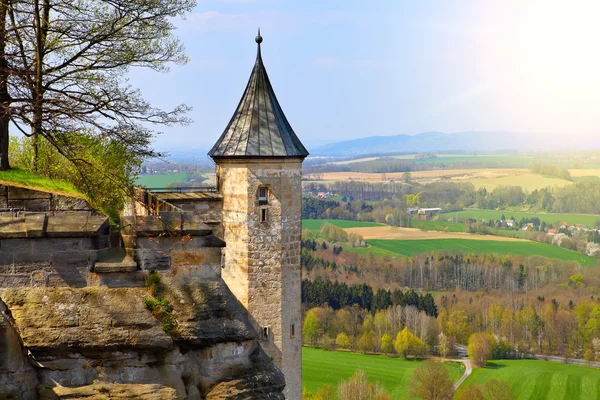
(430, 381)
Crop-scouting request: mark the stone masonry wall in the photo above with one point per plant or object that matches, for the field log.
(262, 259)
(12, 197)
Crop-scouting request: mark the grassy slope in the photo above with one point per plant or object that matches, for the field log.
(315, 224)
(410, 247)
(589, 220)
(539, 380)
(320, 367)
(22, 178)
(160, 180)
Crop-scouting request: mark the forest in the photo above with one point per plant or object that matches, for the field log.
(531, 306)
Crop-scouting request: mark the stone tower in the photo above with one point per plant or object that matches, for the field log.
(259, 166)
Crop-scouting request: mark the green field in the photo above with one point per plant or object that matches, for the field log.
(586, 219)
(161, 180)
(490, 161)
(321, 367)
(437, 225)
(539, 380)
(315, 224)
(525, 248)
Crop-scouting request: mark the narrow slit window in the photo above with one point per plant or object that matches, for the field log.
(263, 215)
(292, 331)
(263, 195)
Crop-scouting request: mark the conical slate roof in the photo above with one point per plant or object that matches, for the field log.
(258, 127)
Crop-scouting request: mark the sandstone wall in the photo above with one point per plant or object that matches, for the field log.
(262, 259)
(90, 338)
(13, 197)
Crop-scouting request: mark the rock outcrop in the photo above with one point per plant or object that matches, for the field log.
(92, 342)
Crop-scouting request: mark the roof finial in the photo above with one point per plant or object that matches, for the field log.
(258, 37)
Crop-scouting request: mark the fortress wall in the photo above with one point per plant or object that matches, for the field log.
(12, 197)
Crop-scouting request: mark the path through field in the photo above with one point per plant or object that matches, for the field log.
(396, 233)
(468, 370)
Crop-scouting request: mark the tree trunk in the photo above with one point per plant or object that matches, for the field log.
(4, 96)
(41, 18)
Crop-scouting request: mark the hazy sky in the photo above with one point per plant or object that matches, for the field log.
(346, 69)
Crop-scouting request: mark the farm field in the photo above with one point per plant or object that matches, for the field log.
(521, 248)
(315, 224)
(490, 178)
(539, 380)
(321, 367)
(397, 233)
(578, 173)
(160, 180)
(424, 176)
(586, 219)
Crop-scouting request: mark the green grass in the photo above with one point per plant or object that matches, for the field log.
(525, 248)
(23, 178)
(437, 225)
(539, 380)
(161, 180)
(321, 367)
(550, 218)
(315, 224)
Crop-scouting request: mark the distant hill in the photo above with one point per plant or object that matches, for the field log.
(461, 141)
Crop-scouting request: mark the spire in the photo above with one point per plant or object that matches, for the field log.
(258, 127)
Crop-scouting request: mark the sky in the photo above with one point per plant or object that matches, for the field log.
(345, 69)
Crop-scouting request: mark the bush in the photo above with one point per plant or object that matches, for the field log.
(342, 341)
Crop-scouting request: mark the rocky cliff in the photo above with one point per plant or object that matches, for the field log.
(100, 342)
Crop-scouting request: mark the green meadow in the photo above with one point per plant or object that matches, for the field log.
(524, 248)
(160, 180)
(540, 380)
(550, 218)
(321, 367)
(315, 224)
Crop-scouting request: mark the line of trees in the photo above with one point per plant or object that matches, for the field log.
(339, 295)
(398, 329)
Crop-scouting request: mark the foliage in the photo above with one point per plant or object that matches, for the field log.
(338, 295)
(470, 392)
(161, 308)
(479, 348)
(387, 344)
(408, 344)
(311, 329)
(430, 381)
(497, 390)
(342, 341)
(104, 175)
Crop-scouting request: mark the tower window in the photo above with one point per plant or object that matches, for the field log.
(263, 195)
(292, 331)
(263, 215)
